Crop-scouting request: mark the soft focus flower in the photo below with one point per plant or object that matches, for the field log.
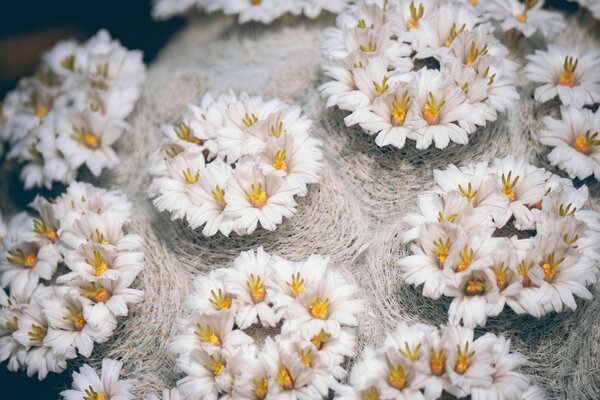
(87, 383)
(527, 17)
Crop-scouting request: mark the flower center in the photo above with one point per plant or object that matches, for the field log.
(279, 161)
(98, 237)
(220, 300)
(216, 365)
(550, 267)
(219, 195)
(257, 196)
(249, 119)
(255, 2)
(437, 362)
(18, 256)
(566, 211)
(523, 271)
(442, 249)
(91, 394)
(475, 53)
(95, 292)
(277, 130)
(508, 185)
(370, 394)
(189, 177)
(416, 14)
(383, 87)
(86, 138)
(399, 109)
(284, 378)
(463, 360)
(297, 285)
(13, 325)
(68, 62)
(39, 227)
(261, 388)
(397, 377)
(207, 335)
(257, 289)
(475, 287)
(370, 47)
(454, 33)
(98, 263)
(41, 111)
(466, 259)
(320, 339)
(184, 132)
(411, 354)
(501, 273)
(450, 218)
(37, 333)
(584, 143)
(431, 111)
(567, 77)
(76, 317)
(319, 308)
(306, 357)
(469, 193)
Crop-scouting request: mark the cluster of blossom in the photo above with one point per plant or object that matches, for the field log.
(264, 11)
(459, 252)
(574, 76)
(234, 162)
(592, 5)
(418, 362)
(316, 307)
(72, 110)
(369, 58)
(68, 271)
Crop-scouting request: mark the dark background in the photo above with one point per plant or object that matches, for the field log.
(27, 29)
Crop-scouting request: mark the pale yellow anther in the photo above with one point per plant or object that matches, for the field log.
(397, 377)
(463, 359)
(431, 110)
(98, 263)
(257, 196)
(399, 109)
(95, 292)
(19, 257)
(219, 195)
(567, 77)
(382, 87)
(508, 185)
(207, 335)
(257, 288)
(284, 378)
(466, 259)
(83, 136)
(76, 317)
(319, 308)
(190, 177)
(216, 365)
(249, 119)
(279, 161)
(550, 266)
(220, 300)
(586, 142)
(416, 14)
(297, 284)
(442, 249)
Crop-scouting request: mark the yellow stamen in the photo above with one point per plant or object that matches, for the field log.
(98, 237)
(284, 378)
(362, 24)
(371, 47)
(437, 362)
(454, 33)
(257, 289)
(219, 195)
(257, 196)
(207, 335)
(279, 160)
(249, 119)
(508, 186)
(567, 211)
(261, 388)
(319, 308)
(13, 325)
(183, 132)
(90, 140)
(297, 285)
(76, 317)
(431, 111)
(37, 333)
(523, 270)
(320, 339)
(216, 365)
(98, 263)
(416, 15)
(399, 109)
(475, 287)
(39, 227)
(502, 274)
(469, 194)
(466, 259)
(571, 241)
(383, 87)
(475, 53)
(306, 357)
(550, 267)
(397, 377)
(91, 394)
(41, 111)
(584, 143)
(277, 130)
(19, 257)
(68, 62)
(442, 249)
(411, 354)
(370, 394)
(189, 177)
(463, 360)
(567, 78)
(220, 300)
(450, 218)
(95, 292)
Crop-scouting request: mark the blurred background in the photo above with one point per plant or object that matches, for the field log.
(28, 28)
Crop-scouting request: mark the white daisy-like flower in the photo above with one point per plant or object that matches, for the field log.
(567, 72)
(527, 17)
(504, 276)
(470, 292)
(470, 46)
(575, 141)
(209, 295)
(365, 377)
(499, 75)
(431, 366)
(87, 383)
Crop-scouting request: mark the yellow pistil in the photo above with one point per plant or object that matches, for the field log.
(37, 333)
(416, 14)
(13, 325)
(523, 271)
(219, 195)
(216, 365)
(277, 130)
(431, 111)
(584, 143)
(91, 394)
(411, 354)
(450, 218)
(257, 196)
(362, 24)
(39, 227)
(508, 186)
(399, 109)
(320, 339)
(305, 357)
(255, 2)
(469, 193)
(284, 378)
(567, 78)
(220, 300)
(442, 249)
(463, 360)
(98, 263)
(370, 394)
(261, 388)
(370, 47)
(86, 138)
(437, 362)
(95, 292)
(502, 274)
(475, 287)
(249, 119)
(566, 211)
(98, 237)
(19, 257)
(550, 267)
(383, 87)
(183, 132)
(189, 177)
(571, 241)
(397, 377)
(319, 308)
(475, 53)
(279, 160)
(41, 111)
(207, 335)
(76, 317)
(466, 259)
(257, 289)
(297, 284)
(68, 62)
(454, 33)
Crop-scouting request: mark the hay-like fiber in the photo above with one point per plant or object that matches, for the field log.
(353, 216)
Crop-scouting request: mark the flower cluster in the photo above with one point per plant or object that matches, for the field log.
(233, 163)
(459, 251)
(316, 307)
(592, 5)
(264, 11)
(460, 80)
(420, 362)
(574, 76)
(68, 271)
(88, 385)
(72, 110)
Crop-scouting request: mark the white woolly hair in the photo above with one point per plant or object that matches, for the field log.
(353, 215)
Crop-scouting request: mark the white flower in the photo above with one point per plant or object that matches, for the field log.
(250, 281)
(254, 197)
(504, 276)
(471, 292)
(431, 366)
(399, 377)
(569, 72)
(87, 383)
(207, 374)
(532, 278)
(365, 377)
(54, 165)
(527, 18)
(575, 142)
(208, 294)
(253, 380)
(470, 46)
(499, 75)
(408, 340)
(46, 226)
